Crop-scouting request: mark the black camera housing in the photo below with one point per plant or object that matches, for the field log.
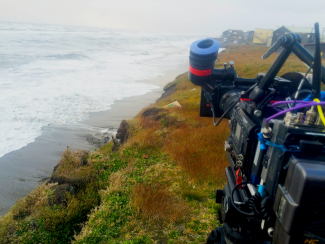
(289, 173)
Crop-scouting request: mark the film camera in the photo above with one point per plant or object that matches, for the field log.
(275, 191)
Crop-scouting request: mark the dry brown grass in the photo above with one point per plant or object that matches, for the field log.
(156, 203)
(146, 139)
(200, 150)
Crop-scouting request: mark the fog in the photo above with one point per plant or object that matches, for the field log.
(207, 17)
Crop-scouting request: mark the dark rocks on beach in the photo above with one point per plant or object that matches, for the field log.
(122, 132)
(99, 139)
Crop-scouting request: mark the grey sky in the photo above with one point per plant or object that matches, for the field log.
(208, 17)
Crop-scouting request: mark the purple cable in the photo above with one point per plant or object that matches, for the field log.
(306, 104)
(284, 102)
(291, 101)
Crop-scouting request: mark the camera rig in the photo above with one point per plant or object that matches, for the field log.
(275, 191)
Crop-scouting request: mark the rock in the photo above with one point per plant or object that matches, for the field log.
(122, 132)
(173, 105)
(99, 139)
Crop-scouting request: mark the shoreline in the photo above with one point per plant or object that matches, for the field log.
(24, 169)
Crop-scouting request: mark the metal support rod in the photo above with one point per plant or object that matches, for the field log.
(258, 91)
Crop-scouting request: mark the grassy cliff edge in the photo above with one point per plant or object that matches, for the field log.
(156, 187)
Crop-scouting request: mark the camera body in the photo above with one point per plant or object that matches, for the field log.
(275, 189)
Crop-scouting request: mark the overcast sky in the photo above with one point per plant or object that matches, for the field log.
(208, 17)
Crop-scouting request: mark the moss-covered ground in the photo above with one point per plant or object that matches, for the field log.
(158, 187)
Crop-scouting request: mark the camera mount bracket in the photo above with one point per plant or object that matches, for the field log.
(290, 43)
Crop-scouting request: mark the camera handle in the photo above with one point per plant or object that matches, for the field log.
(290, 43)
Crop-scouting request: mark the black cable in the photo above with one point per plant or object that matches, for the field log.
(300, 85)
(253, 200)
(209, 100)
(233, 203)
(224, 114)
(251, 88)
(256, 211)
(266, 208)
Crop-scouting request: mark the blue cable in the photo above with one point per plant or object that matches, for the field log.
(262, 141)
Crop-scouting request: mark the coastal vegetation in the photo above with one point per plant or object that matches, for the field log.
(156, 187)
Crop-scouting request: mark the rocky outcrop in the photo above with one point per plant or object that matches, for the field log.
(122, 132)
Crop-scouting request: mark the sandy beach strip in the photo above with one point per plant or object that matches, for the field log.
(24, 169)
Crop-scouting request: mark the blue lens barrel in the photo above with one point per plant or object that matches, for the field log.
(203, 54)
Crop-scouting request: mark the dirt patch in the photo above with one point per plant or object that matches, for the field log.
(168, 91)
(154, 113)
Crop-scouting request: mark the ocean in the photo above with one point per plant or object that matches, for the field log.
(57, 75)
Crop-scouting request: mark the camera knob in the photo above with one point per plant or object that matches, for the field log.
(240, 157)
(239, 163)
(231, 63)
(257, 113)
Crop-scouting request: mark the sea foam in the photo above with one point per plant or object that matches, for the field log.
(57, 74)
